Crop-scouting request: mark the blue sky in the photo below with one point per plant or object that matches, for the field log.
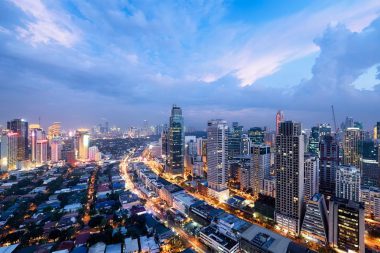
(81, 62)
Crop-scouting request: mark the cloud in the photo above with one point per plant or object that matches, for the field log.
(45, 26)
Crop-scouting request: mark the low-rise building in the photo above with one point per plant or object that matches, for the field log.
(217, 241)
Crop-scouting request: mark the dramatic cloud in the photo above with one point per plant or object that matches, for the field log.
(78, 61)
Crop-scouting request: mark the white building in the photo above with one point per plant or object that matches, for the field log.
(371, 198)
(131, 245)
(260, 167)
(311, 182)
(56, 149)
(269, 188)
(217, 163)
(94, 154)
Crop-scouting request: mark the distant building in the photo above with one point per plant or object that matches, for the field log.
(256, 135)
(328, 164)
(348, 183)
(315, 223)
(289, 168)
(351, 144)
(245, 145)
(41, 151)
(217, 162)
(176, 142)
(279, 118)
(346, 225)
(82, 141)
(371, 199)
(94, 154)
(234, 140)
(313, 146)
(370, 173)
(56, 149)
(54, 130)
(20, 126)
(9, 142)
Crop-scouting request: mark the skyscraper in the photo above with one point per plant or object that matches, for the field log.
(311, 183)
(217, 152)
(289, 168)
(279, 119)
(348, 183)
(36, 134)
(176, 142)
(82, 142)
(234, 140)
(260, 167)
(328, 164)
(351, 144)
(9, 142)
(346, 225)
(41, 151)
(313, 146)
(256, 134)
(245, 145)
(20, 126)
(56, 149)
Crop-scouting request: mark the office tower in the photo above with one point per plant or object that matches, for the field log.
(289, 168)
(346, 225)
(176, 142)
(348, 183)
(368, 149)
(41, 151)
(279, 119)
(376, 132)
(54, 130)
(20, 126)
(315, 223)
(313, 146)
(256, 134)
(82, 142)
(328, 164)
(9, 142)
(234, 140)
(217, 152)
(260, 167)
(311, 183)
(244, 176)
(56, 149)
(245, 145)
(324, 129)
(351, 144)
(94, 154)
(200, 143)
(36, 134)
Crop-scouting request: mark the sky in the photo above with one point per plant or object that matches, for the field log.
(85, 62)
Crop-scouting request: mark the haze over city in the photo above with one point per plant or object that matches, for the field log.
(129, 61)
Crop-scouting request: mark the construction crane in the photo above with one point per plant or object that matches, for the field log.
(333, 114)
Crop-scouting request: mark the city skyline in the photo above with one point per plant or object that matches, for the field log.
(223, 60)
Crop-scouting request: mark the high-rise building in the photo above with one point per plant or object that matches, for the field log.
(217, 153)
(234, 140)
(311, 183)
(351, 144)
(9, 142)
(260, 167)
(20, 126)
(346, 225)
(256, 134)
(371, 199)
(56, 149)
(289, 168)
(313, 146)
(41, 151)
(315, 223)
(377, 132)
(54, 130)
(245, 145)
(279, 119)
(176, 142)
(328, 164)
(348, 183)
(82, 142)
(370, 175)
(36, 134)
